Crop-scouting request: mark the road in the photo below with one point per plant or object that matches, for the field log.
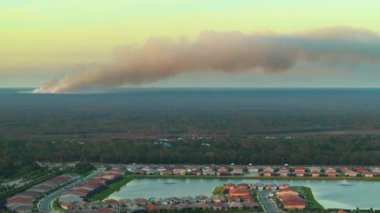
(46, 203)
(268, 204)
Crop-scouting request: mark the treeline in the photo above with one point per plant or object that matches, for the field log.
(223, 150)
(156, 113)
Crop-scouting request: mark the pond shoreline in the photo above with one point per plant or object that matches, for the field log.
(336, 192)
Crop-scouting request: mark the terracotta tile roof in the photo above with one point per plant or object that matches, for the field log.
(20, 199)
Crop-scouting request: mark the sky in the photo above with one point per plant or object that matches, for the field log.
(41, 40)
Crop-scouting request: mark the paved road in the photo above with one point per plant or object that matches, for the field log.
(45, 204)
(268, 204)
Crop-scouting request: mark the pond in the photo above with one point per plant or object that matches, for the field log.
(347, 194)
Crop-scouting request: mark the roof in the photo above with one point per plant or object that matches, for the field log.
(152, 207)
(111, 201)
(20, 199)
(239, 192)
(105, 210)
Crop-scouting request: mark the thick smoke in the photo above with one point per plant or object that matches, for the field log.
(160, 58)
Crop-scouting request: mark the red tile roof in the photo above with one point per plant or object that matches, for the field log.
(111, 201)
(19, 199)
(152, 207)
(105, 210)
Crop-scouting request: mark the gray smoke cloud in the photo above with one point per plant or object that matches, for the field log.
(160, 57)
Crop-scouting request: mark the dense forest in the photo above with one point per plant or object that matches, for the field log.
(257, 150)
(298, 126)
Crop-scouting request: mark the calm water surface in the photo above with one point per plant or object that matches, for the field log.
(330, 193)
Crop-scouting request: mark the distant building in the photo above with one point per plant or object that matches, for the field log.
(237, 170)
(267, 171)
(283, 171)
(222, 171)
(299, 171)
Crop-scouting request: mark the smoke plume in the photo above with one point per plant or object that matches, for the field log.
(159, 57)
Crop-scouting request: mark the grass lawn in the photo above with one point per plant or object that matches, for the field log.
(312, 203)
(110, 188)
(218, 190)
(88, 173)
(57, 207)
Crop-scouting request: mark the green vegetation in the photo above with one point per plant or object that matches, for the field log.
(223, 150)
(312, 204)
(110, 188)
(56, 207)
(244, 126)
(218, 190)
(83, 168)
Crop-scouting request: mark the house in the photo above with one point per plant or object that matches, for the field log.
(163, 171)
(376, 170)
(152, 208)
(267, 171)
(350, 173)
(20, 207)
(361, 169)
(296, 204)
(208, 171)
(282, 192)
(364, 171)
(283, 171)
(202, 206)
(266, 174)
(202, 199)
(299, 171)
(187, 199)
(67, 199)
(229, 186)
(179, 171)
(283, 186)
(222, 171)
(111, 201)
(218, 198)
(253, 170)
(235, 205)
(290, 199)
(19, 199)
(105, 210)
(331, 172)
(218, 206)
(237, 170)
(141, 201)
(149, 170)
(315, 173)
(193, 171)
(242, 186)
(268, 187)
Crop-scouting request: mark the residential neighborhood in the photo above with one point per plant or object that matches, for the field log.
(91, 186)
(255, 170)
(73, 193)
(231, 197)
(25, 201)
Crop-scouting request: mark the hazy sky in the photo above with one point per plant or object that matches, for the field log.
(42, 40)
